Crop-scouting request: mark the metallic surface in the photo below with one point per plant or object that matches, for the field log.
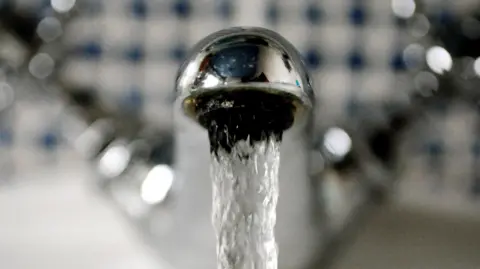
(240, 58)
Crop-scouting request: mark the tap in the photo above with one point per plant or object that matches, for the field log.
(247, 65)
(244, 60)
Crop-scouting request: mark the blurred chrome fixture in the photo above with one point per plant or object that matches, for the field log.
(441, 61)
(403, 8)
(138, 174)
(443, 58)
(62, 6)
(133, 160)
(353, 179)
(7, 98)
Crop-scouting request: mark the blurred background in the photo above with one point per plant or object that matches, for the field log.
(87, 155)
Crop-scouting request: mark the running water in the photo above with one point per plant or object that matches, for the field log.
(245, 130)
(245, 194)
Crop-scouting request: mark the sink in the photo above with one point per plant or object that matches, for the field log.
(401, 236)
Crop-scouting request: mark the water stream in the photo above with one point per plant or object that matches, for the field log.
(245, 128)
(245, 194)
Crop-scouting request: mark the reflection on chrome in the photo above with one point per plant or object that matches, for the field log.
(49, 29)
(114, 160)
(250, 57)
(476, 66)
(439, 60)
(6, 95)
(62, 6)
(41, 65)
(420, 26)
(157, 184)
(211, 81)
(89, 140)
(341, 199)
(426, 83)
(413, 55)
(337, 142)
(403, 8)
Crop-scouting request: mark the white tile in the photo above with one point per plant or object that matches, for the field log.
(83, 30)
(376, 86)
(80, 72)
(250, 13)
(119, 32)
(159, 78)
(161, 33)
(115, 75)
(295, 33)
(199, 28)
(335, 40)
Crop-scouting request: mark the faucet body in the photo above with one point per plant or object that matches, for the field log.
(244, 60)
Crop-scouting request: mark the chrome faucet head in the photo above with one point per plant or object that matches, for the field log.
(238, 65)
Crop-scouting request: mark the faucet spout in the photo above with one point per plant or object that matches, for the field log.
(250, 84)
(252, 71)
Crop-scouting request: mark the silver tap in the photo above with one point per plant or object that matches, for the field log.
(244, 59)
(247, 61)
